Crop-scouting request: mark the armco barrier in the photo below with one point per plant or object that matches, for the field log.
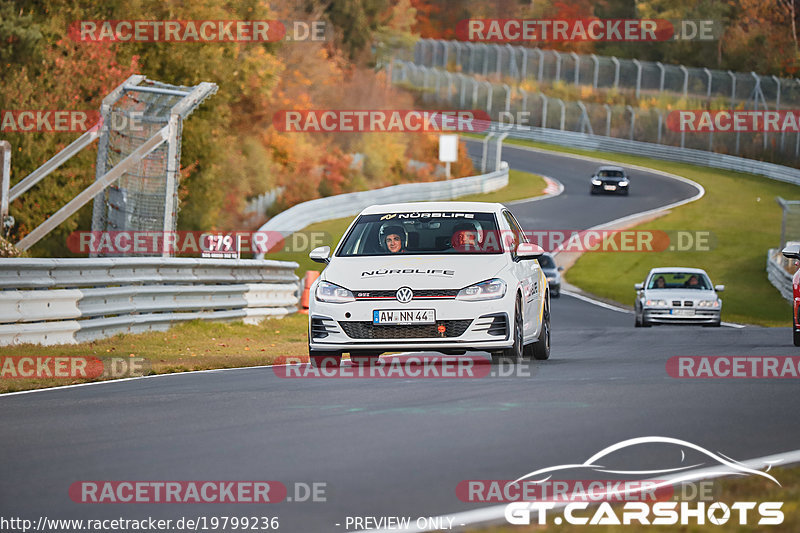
(600, 143)
(777, 275)
(301, 215)
(57, 301)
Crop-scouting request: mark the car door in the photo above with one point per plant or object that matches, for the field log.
(528, 273)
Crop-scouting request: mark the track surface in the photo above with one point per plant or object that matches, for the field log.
(390, 447)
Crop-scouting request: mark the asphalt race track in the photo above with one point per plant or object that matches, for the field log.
(397, 447)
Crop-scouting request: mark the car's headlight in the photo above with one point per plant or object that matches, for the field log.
(491, 289)
(550, 279)
(623, 183)
(708, 303)
(328, 292)
(656, 303)
(596, 181)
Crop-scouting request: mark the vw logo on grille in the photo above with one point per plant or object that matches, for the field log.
(404, 295)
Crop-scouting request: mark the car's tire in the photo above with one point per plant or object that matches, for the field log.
(638, 321)
(714, 324)
(796, 335)
(324, 359)
(556, 293)
(626, 192)
(592, 191)
(541, 348)
(514, 353)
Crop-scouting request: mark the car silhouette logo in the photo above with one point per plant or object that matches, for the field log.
(404, 295)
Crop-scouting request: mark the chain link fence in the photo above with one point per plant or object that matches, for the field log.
(505, 102)
(519, 63)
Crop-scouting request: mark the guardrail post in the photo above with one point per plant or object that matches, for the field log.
(485, 154)
(173, 167)
(558, 65)
(633, 120)
(577, 60)
(498, 150)
(5, 184)
(685, 80)
(616, 71)
(544, 109)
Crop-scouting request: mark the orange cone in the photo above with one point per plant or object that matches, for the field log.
(310, 277)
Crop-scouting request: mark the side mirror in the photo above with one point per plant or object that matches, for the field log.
(321, 254)
(561, 269)
(792, 251)
(719, 288)
(528, 250)
(639, 286)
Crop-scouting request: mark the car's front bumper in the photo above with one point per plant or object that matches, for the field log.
(348, 326)
(668, 316)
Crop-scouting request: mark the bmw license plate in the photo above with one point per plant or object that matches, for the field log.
(403, 316)
(610, 187)
(683, 312)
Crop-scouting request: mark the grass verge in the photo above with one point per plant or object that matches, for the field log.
(740, 212)
(727, 490)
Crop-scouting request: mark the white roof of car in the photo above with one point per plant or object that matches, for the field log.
(610, 167)
(688, 270)
(475, 207)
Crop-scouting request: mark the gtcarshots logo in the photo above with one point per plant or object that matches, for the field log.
(695, 464)
(380, 120)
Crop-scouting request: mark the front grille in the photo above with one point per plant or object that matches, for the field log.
(676, 303)
(688, 303)
(368, 330)
(492, 324)
(419, 294)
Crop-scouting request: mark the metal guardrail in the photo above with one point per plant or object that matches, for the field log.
(778, 275)
(61, 301)
(301, 215)
(656, 151)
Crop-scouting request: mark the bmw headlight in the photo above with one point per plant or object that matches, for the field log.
(550, 279)
(328, 292)
(623, 183)
(708, 303)
(596, 181)
(491, 289)
(656, 303)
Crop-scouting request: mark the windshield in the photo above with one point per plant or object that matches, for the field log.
(422, 233)
(610, 174)
(679, 280)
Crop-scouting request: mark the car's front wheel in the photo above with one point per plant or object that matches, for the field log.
(796, 335)
(514, 353)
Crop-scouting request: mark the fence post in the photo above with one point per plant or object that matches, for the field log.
(544, 109)
(608, 120)
(577, 59)
(563, 113)
(638, 77)
(508, 97)
(5, 185)
(633, 120)
(685, 80)
(541, 64)
(558, 65)
(596, 70)
(616, 71)
(524, 71)
(663, 72)
(489, 95)
(733, 88)
(708, 90)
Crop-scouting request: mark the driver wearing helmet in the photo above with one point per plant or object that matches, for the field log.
(466, 237)
(394, 238)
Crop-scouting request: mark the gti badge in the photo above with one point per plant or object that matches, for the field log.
(404, 295)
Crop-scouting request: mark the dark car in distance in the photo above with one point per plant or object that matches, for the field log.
(609, 179)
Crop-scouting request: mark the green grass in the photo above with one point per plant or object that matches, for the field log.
(727, 490)
(195, 345)
(738, 209)
(520, 185)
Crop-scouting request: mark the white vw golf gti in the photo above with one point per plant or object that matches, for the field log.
(434, 276)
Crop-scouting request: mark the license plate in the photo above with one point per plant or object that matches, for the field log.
(610, 187)
(404, 316)
(683, 312)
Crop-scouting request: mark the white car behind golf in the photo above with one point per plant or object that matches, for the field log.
(448, 277)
